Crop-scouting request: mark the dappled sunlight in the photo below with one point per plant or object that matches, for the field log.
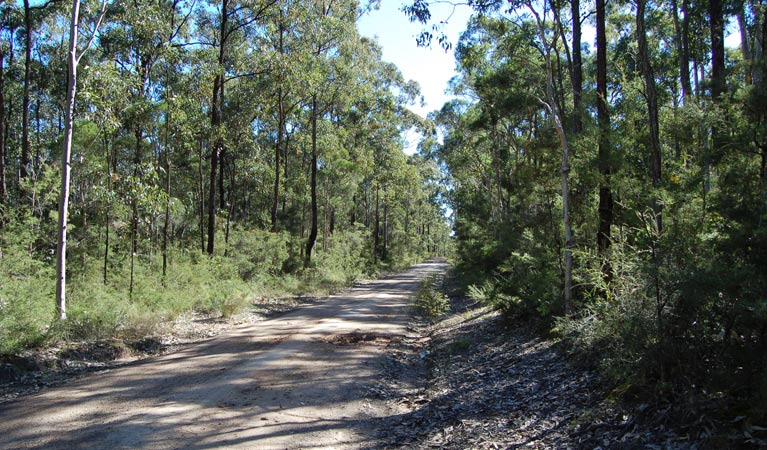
(300, 379)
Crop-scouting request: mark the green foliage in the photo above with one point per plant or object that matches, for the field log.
(26, 285)
(619, 322)
(676, 303)
(145, 130)
(258, 253)
(522, 286)
(430, 302)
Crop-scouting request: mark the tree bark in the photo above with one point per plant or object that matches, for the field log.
(280, 126)
(552, 107)
(27, 82)
(683, 55)
(604, 152)
(577, 77)
(215, 122)
(134, 210)
(61, 247)
(377, 230)
(745, 44)
(201, 186)
(716, 18)
(166, 225)
(61, 254)
(3, 192)
(385, 249)
(760, 33)
(313, 183)
(229, 209)
(652, 108)
(107, 212)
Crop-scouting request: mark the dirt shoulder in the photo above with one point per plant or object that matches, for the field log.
(490, 384)
(38, 369)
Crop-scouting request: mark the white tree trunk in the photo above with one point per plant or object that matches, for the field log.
(66, 168)
(551, 104)
(61, 253)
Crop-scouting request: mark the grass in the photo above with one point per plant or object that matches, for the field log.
(222, 286)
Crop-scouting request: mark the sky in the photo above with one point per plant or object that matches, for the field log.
(431, 67)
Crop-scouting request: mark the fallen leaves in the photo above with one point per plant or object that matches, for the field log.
(485, 386)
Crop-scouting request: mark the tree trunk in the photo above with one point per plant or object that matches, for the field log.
(229, 210)
(553, 109)
(278, 145)
(286, 149)
(215, 121)
(745, 45)
(760, 33)
(134, 210)
(313, 182)
(683, 55)
(212, 195)
(277, 167)
(107, 212)
(385, 249)
(716, 18)
(377, 231)
(6, 120)
(3, 192)
(652, 108)
(577, 77)
(166, 225)
(604, 152)
(61, 253)
(27, 81)
(201, 185)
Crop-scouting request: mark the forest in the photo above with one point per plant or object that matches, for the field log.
(216, 152)
(604, 164)
(617, 187)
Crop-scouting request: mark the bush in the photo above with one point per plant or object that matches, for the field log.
(618, 325)
(430, 302)
(26, 300)
(522, 286)
(255, 252)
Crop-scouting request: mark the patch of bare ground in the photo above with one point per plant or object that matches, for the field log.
(488, 384)
(37, 369)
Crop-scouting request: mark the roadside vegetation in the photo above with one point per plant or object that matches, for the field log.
(616, 189)
(222, 152)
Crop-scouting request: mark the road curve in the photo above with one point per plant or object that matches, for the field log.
(294, 381)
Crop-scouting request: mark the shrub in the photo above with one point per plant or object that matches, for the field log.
(522, 286)
(26, 300)
(429, 301)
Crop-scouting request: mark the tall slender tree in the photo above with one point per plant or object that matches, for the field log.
(73, 60)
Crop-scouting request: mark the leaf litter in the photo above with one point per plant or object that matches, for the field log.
(476, 381)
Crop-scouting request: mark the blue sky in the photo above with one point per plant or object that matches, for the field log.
(432, 67)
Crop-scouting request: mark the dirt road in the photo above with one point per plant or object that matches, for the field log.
(296, 381)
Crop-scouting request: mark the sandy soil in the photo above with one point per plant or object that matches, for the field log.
(301, 380)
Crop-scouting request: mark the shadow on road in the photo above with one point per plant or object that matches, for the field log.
(286, 382)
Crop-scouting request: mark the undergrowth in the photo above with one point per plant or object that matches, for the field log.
(430, 301)
(258, 265)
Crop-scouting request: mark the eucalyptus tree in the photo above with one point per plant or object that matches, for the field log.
(75, 54)
(10, 23)
(138, 38)
(31, 20)
(3, 186)
(233, 21)
(605, 163)
(329, 35)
